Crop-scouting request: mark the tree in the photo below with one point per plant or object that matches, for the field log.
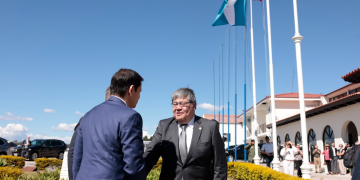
(145, 138)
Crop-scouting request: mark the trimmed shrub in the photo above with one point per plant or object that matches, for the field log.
(42, 163)
(10, 172)
(153, 175)
(18, 162)
(241, 170)
(158, 165)
(3, 163)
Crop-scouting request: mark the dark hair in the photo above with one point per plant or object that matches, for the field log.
(122, 80)
(107, 93)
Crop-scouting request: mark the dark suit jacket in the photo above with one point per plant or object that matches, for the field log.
(332, 154)
(109, 144)
(206, 146)
(71, 151)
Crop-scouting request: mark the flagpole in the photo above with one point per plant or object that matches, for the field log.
(219, 88)
(235, 64)
(222, 61)
(228, 136)
(305, 168)
(214, 85)
(275, 162)
(254, 123)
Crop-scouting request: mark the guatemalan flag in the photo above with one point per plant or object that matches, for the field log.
(231, 12)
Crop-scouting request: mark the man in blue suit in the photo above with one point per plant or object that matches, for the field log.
(109, 141)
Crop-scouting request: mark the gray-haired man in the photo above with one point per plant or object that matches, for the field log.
(187, 143)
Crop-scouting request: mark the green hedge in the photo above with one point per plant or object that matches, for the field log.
(14, 161)
(241, 170)
(42, 163)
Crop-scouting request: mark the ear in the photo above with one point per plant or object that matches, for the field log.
(131, 90)
(194, 104)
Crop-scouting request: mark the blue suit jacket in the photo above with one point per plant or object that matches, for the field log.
(109, 143)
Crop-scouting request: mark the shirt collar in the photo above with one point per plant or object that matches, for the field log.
(119, 98)
(191, 123)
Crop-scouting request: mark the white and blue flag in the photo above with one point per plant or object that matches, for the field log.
(231, 12)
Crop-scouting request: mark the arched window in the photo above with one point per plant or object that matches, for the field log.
(278, 141)
(287, 138)
(298, 140)
(312, 143)
(328, 136)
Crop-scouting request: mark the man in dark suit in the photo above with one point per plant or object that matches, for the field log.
(188, 144)
(25, 147)
(333, 159)
(109, 141)
(72, 142)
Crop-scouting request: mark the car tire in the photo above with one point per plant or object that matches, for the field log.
(231, 158)
(34, 156)
(61, 155)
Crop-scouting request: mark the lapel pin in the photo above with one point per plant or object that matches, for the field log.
(200, 128)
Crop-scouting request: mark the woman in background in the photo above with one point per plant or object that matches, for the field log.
(298, 160)
(327, 158)
(288, 153)
(340, 152)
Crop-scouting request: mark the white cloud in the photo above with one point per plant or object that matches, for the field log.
(10, 117)
(145, 128)
(145, 133)
(79, 113)
(66, 139)
(210, 107)
(13, 132)
(65, 127)
(49, 110)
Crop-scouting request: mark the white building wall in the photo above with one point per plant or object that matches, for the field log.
(239, 134)
(337, 119)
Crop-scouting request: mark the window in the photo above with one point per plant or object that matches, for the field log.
(37, 142)
(226, 135)
(287, 138)
(47, 144)
(56, 143)
(354, 90)
(278, 141)
(338, 97)
(2, 142)
(312, 143)
(298, 139)
(328, 136)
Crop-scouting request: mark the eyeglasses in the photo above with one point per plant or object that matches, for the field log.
(181, 104)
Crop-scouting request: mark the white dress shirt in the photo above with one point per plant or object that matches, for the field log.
(189, 132)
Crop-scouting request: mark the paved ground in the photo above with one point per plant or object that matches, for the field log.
(30, 163)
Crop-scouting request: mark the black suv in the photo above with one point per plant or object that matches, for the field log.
(47, 148)
(239, 152)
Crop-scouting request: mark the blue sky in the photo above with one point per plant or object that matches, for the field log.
(57, 57)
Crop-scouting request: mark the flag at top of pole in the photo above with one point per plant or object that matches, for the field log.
(231, 12)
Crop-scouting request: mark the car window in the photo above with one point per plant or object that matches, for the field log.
(2, 142)
(37, 142)
(47, 144)
(56, 143)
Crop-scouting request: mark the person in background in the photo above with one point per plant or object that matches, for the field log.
(317, 159)
(355, 172)
(333, 159)
(347, 147)
(268, 151)
(298, 160)
(25, 147)
(250, 148)
(340, 153)
(73, 138)
(288, 154)
(327, 158)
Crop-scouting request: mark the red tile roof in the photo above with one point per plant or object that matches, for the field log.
(353, 76)
(232, 118)
(296, 95)
(314, 109)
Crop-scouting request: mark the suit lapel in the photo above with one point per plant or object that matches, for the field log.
(195, 137)
(174, 130)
